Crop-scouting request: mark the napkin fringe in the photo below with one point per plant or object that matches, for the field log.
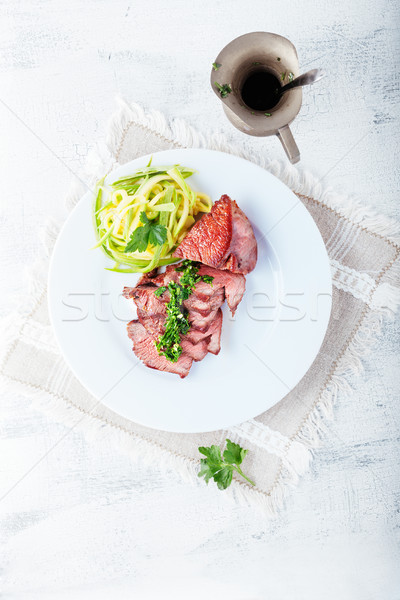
(308, 437)
(141, 450)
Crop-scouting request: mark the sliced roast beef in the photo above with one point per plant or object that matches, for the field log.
(214, 329)
(222, 238)
(209, 239)
(154, 324)
(146, 351)
(151, 313)
(196, 351)
(204, 307)
(145, 299)
(242, 256)
(210, 331)
(234, 285)
(203, 311)
(201, 322)
(151, 307)
(148, 304)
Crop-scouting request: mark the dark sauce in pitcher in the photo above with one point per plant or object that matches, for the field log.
(259, 90)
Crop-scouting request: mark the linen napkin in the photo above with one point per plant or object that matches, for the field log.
(364, 251)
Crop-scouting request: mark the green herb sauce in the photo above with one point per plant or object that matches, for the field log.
(177, 323)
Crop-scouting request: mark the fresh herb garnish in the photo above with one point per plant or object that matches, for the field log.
(283, 76)
(224, 90)
(216, 66)
(220, 468)
(149, 233)
(267, 114)
(159, 291)
(207, 279)
(256, 63)
(290, 76)
(177, 323)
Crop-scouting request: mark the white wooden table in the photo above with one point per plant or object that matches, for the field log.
(86, 523)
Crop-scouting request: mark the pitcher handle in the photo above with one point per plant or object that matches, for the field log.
(288, 143)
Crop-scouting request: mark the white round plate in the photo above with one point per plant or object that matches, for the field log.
(265, 349)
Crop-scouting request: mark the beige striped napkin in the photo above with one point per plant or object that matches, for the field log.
(364, 251)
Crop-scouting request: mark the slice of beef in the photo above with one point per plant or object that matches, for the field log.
(145, 299)
(214, 345)
(222, 238)
(202, 306)
(147, 277)
(234, 284)
(242, 255)
(212, 333)
(197, 351)
(201, 322)
(154, 324)
(209, 239)
(145, 350)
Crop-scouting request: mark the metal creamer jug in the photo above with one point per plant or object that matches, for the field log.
(263, 57)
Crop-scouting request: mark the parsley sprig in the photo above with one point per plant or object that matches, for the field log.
(220, 468)
(149, 232)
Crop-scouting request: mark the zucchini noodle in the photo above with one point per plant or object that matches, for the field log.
(163, 194)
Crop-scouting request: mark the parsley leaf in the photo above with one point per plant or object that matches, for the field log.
(148, 233)
(220, 468)
(157, 235)
(283, 76)
(223, 478)
(213, 454)
(216, 66)
(290, 76)
(139, 240)
(143, 218)
(233, 453)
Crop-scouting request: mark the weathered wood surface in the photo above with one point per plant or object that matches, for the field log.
(86, 523)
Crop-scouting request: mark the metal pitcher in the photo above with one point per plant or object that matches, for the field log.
(233, 65)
